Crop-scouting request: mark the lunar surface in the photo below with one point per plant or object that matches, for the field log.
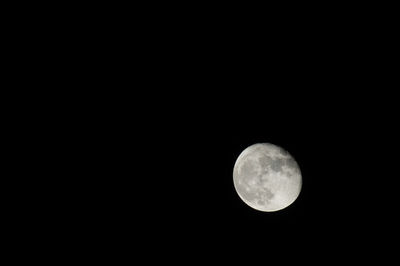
(266, 177)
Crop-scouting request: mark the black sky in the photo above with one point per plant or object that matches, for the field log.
(165, 174)
(149, 133)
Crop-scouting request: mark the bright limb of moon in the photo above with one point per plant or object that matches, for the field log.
(266, 177)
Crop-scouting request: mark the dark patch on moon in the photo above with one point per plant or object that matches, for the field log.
(288, 174)
(268, 193)
(260, 202)
(260, 179)
(291, 163)
(277, 164)
(264, 161)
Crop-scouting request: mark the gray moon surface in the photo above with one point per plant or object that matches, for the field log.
(266, 177)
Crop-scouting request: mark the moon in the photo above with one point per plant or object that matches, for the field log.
(266, 177)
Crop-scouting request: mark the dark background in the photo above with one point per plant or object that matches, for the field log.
(135, 131)
(157, 177)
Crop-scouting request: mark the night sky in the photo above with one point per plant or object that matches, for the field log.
(168, 182)
(142, 136)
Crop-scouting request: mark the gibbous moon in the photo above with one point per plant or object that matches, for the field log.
(266, 177)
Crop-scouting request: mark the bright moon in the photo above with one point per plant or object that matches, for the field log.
(266, 177)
